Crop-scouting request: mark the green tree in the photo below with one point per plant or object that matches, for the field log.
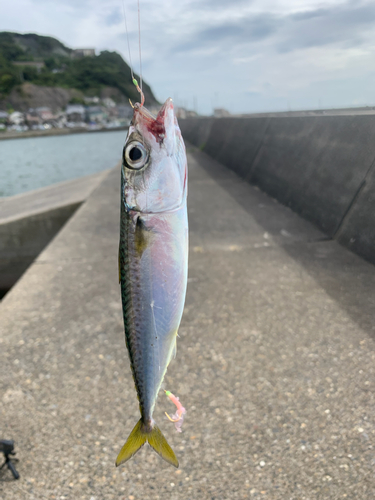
(7, 82)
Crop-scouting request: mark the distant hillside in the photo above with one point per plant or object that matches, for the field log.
(44, 61)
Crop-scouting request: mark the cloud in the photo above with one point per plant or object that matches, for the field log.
(255, 54)
(340, 24)
(226, 35)
(319, 27)
(208, 5)
(251, 29)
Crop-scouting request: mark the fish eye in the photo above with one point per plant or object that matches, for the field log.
(135, 155)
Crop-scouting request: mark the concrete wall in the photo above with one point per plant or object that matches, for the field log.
(22, 240)
(29, 221)
(198, 130)
(320, 166)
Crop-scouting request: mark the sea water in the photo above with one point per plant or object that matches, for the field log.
(34, 162)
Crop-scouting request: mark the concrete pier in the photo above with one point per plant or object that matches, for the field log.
(275, 360)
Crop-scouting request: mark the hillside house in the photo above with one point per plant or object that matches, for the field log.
(16, 118)
(108, 102)
(91, 100)
(45, 114)
(32, 119)
(77, 53)
(75, 113)
(96, 114)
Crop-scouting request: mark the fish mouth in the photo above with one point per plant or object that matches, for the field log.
(161, 114)
(154, 125)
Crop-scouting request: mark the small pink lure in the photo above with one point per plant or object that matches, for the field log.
(178, 417)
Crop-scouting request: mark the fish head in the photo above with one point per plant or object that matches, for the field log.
(154, 166)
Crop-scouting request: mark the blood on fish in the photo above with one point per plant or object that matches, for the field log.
(178, 417)
(157, 129)
(154, 125)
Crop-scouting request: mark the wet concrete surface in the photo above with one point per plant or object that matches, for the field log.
(275, 360)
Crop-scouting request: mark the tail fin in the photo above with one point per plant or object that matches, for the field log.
(138, 438)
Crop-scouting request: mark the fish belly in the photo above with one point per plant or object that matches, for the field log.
(153, 273)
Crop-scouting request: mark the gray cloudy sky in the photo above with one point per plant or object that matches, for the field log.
(245, 55)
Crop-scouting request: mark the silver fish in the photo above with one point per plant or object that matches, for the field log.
(153, 259)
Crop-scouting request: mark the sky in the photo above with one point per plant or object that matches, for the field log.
(242, 55)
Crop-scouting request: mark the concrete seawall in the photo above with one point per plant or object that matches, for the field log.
(29, 221)
(322, 167)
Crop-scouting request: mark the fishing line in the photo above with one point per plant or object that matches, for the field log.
(139, 88)
(127, 36)
(139, 40)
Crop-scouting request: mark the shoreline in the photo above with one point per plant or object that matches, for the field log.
(58, 131)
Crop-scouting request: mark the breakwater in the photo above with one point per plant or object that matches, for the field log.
(322, 167)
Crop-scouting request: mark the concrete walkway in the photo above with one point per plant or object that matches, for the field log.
(275, 361)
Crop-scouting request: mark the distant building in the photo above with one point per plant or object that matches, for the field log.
(61, 119)
(91, 100)
(75, 113)
(45, 114)
(108, 102)
(96, 114)
(111, 108)
(77, 53)
(180, 113)
(112, 113)
(221, 113)
(16, 118)
(32, 119)
(185, 113)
